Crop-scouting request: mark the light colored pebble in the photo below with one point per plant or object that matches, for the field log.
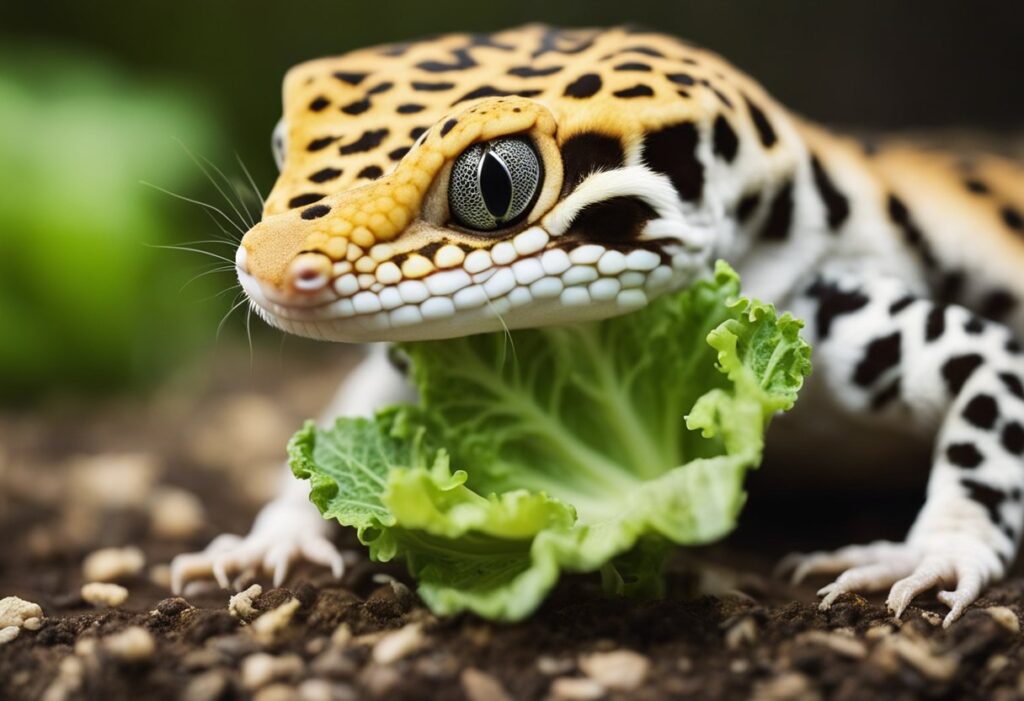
(277, 692)
(17, 612)
(481, 686)
(113, 480)
(208, 686)
(740, 633)
(8, 634)
(788, 686)
(112, 564)
(240, 605)
(260, 669)
(160, 575)
(342, 636)
(576, 689)
(622, 670)
(398, 644)
(843, 645)
(1005, 617)
(554, 666)
(932, 617)
(316, 690)
(917, 654)
(68, 680)
(133, 644)
(104, 594)
(175, 513)
(267, 626)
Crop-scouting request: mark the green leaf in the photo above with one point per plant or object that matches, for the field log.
(583, 448)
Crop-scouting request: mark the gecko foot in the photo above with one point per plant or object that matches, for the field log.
(940, 560)
(282, 534)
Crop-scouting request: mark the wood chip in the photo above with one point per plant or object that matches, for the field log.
(1005, 617)
(267, 626)
(401, 643)
(843, 645)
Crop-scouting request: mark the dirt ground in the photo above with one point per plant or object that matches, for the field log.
(165, 474)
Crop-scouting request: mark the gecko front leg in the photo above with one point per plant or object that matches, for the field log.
(289, 527)
(887, 356)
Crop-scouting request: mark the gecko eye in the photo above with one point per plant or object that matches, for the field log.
(493, 184)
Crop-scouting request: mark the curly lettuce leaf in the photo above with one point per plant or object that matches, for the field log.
(583, 448)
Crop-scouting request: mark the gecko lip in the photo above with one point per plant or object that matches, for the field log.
(548, 287)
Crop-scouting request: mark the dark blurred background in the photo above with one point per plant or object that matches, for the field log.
(96, 98)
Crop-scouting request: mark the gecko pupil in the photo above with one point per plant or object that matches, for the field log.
(495, 185)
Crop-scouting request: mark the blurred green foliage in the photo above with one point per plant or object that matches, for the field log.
(86, 300)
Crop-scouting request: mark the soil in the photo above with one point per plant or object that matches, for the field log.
(76, 478)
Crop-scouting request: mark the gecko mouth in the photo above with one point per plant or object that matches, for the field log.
(553, 285)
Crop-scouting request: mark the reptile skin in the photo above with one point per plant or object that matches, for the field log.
(658, 157)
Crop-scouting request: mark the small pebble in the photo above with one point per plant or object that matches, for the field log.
(481, 686)
(8, 634)
(842, 645)
(576, 689)
(175, 514)
(267, 626)
(342, 636)
(789, 686)
(743, 632)
(133, 644)
(260, 669)
(555, 666)
(1003, 616)
(622, 670)
(19, 613)
(918, 655)
(104, 594)
(277, 692)
(240, 605)
(112, 564)
(208, 686)
(401, 643)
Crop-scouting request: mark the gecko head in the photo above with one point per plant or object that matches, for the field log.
(503, 211)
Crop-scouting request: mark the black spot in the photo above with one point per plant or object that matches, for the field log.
(836, 204)
(957, 370)
(638, 90)
(964, 455)
(882, 354)
(900, 216)
(722, 97)
(423, 86)
(489, 41)
(832, 303)
(304, 199)
(586, 85)
(974, 325)
(976, 186)
(357, 107)
(636, 66)
(682, 79)
(371, 172)
(395, 49)
(410, 108)
(531, 72)
(935, 323)
(350, 78)
(683, 93)
(382, 87)
(448, 126)
(417, 132)
(319, 103)
(747, 205)
(399, 153)
(555, 41)
(765, 130)
(369, 140)
(1013, 346)
(673, 152)
(315, 212)
(989, 497)
(982, 411)
(1013, 383)
(952, 285)
(1013, 438)
(321, 143)
(886, 396)
(325, 174)
(780, 215)
(583, 154)
(612, 220)
(1012, 218)
(724, 140)
(462, 61)
(491, 91)
(998, 304)
(901, 304)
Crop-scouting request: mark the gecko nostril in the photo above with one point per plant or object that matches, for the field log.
(242, 259)
(309, 272)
